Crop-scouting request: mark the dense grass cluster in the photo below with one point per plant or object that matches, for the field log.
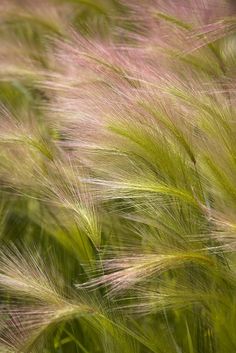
(118, 176)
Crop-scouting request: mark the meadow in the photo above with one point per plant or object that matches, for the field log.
(117, 176)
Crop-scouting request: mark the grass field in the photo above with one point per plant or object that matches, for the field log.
(117, 176)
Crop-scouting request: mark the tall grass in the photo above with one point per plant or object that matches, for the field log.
(117, 172)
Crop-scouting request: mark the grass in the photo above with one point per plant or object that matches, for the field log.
(117, 174)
